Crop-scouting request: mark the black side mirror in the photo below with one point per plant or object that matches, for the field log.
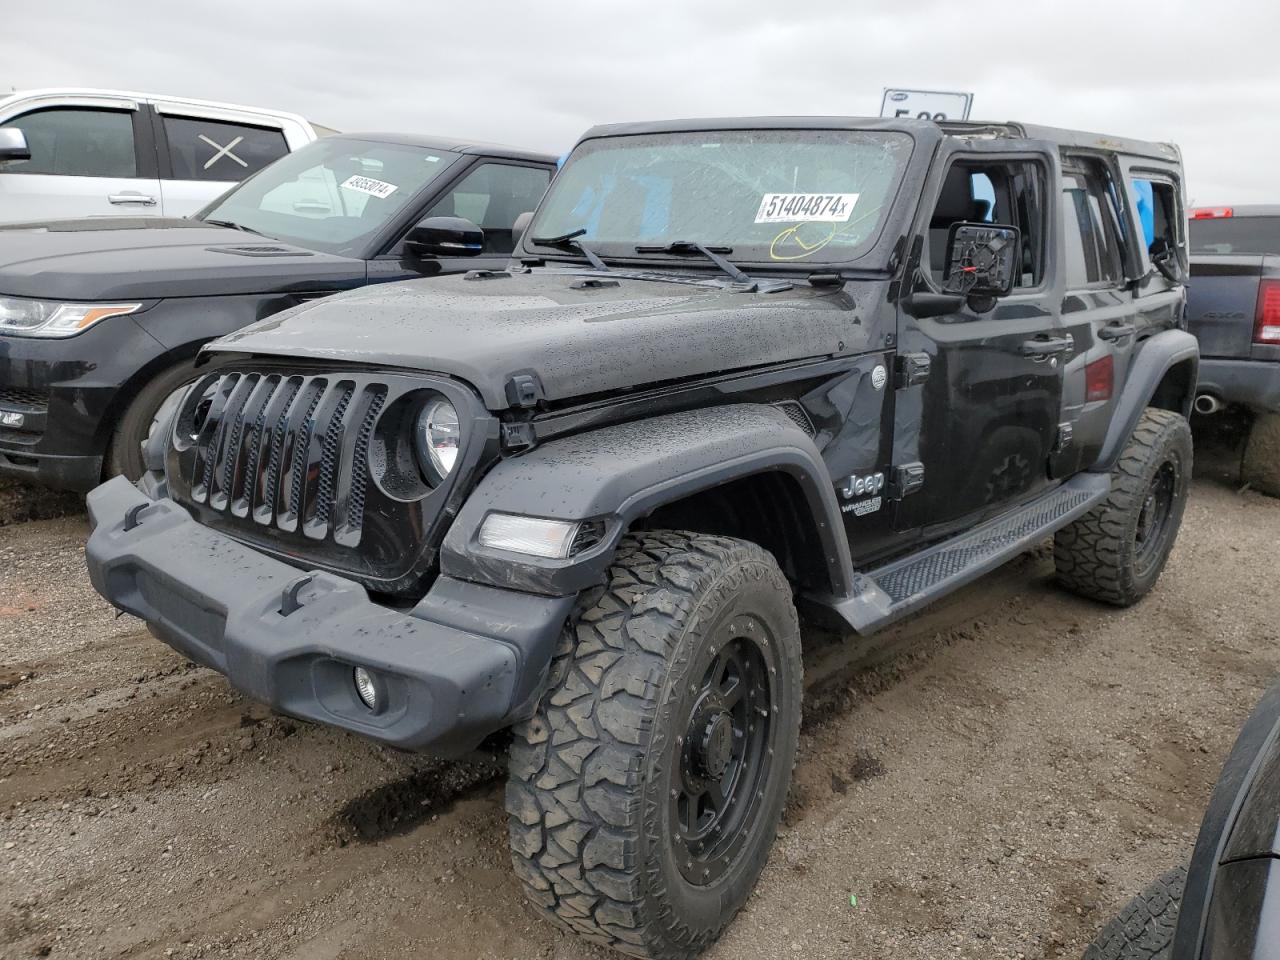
(1164, 259)
(983, 259)
(445, 237)
(519, 227)
(13, 144)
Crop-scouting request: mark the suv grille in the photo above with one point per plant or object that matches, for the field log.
(18, 397)
(271, 447)
(320, 468)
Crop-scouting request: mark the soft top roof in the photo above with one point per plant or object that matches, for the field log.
(1067, 138)
(455, 145)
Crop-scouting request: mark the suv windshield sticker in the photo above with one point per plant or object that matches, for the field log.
(806, 207)
(374, 188)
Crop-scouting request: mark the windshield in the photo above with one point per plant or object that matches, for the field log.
(1236, 235)
(332, 195)
(765, 196)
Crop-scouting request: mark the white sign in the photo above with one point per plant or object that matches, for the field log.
(926, 104)
(806, 207)
(374, 188)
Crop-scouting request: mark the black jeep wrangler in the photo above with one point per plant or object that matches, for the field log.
(737, 371)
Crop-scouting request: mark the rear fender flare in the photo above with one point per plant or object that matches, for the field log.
(1151, 362)
(621, 473)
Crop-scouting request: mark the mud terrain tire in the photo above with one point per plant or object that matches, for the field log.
(1116, 551)
(1144, 929)
(609, 834)
(1261, 466)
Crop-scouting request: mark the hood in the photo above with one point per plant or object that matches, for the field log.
(578, 341)
(144, 258)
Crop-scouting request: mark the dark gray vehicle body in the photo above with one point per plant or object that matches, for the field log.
(1231, 902)
(1222, 304)
(657, 395)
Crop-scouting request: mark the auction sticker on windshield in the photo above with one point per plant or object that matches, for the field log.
(806, 207)
(374, 188)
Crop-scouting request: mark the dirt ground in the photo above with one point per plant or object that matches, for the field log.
(991, 779)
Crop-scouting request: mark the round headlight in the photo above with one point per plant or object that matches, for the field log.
(439, 435)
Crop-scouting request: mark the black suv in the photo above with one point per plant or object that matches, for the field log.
(738, 370)
(101, 319)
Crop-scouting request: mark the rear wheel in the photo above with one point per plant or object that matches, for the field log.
(124, 454)
(1144, 929)
(1116, 551)
(645, 791)
(1261, 466)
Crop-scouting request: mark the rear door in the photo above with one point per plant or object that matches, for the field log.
(202, 156)
(1098, 307)
(985, 422)
(88, 159)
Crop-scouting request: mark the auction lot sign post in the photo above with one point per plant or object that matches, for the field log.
(926, 104)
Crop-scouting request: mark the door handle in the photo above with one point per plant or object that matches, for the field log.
(1117, 331)
(1046, 348)
(140, 199)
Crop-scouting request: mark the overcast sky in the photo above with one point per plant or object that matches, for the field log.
(1202, 74)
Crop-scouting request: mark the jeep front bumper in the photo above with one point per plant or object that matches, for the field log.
(466, 661)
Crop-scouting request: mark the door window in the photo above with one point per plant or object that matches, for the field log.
(492, 196)
(1007, 192)
(1093, 252)
(218, 151)
(1159, 212)
(74, 142)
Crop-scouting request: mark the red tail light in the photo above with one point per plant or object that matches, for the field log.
(1267, 329)
(1211, 213)
(1100, 379)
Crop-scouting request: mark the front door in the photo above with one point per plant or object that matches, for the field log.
(985, 422)
(85, 162)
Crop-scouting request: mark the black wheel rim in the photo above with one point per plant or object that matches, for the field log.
(1154, 519)
(725, 749)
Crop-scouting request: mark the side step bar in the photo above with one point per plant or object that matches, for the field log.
(905, 585)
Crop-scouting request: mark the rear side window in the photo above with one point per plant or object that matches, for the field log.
(224, 152)
(73, 142)
(1236, 235)
(492, 196)
(1093, 253)
(1159, 212)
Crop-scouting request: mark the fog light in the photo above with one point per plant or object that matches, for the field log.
(530, 535)
(367, 688)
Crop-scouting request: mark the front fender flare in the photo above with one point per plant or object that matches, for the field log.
(1155, 358)
(621, 473)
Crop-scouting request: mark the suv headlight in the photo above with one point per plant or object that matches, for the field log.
(438, 437)
(50, 318)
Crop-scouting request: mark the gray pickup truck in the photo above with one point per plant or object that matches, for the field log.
(1234, 310)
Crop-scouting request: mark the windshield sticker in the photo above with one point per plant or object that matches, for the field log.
(374, 188)
(432, 159)
(806, 207)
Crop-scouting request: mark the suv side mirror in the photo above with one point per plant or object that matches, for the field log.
(13, 144)
(1164, 259)
(445, 237)
(983, 259)
(519, 227)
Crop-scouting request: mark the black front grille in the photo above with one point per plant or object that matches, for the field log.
(19, 397)
(239, 460)
(320, 469)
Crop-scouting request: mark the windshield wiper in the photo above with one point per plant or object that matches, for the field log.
(571, 240)
(711, 253)
(236, 226)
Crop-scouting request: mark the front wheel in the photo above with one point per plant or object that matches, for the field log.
(645, 791)
(124, 454)
(1145, 928)
(1116, 552)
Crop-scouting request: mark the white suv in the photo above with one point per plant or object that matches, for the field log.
(85, 153)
